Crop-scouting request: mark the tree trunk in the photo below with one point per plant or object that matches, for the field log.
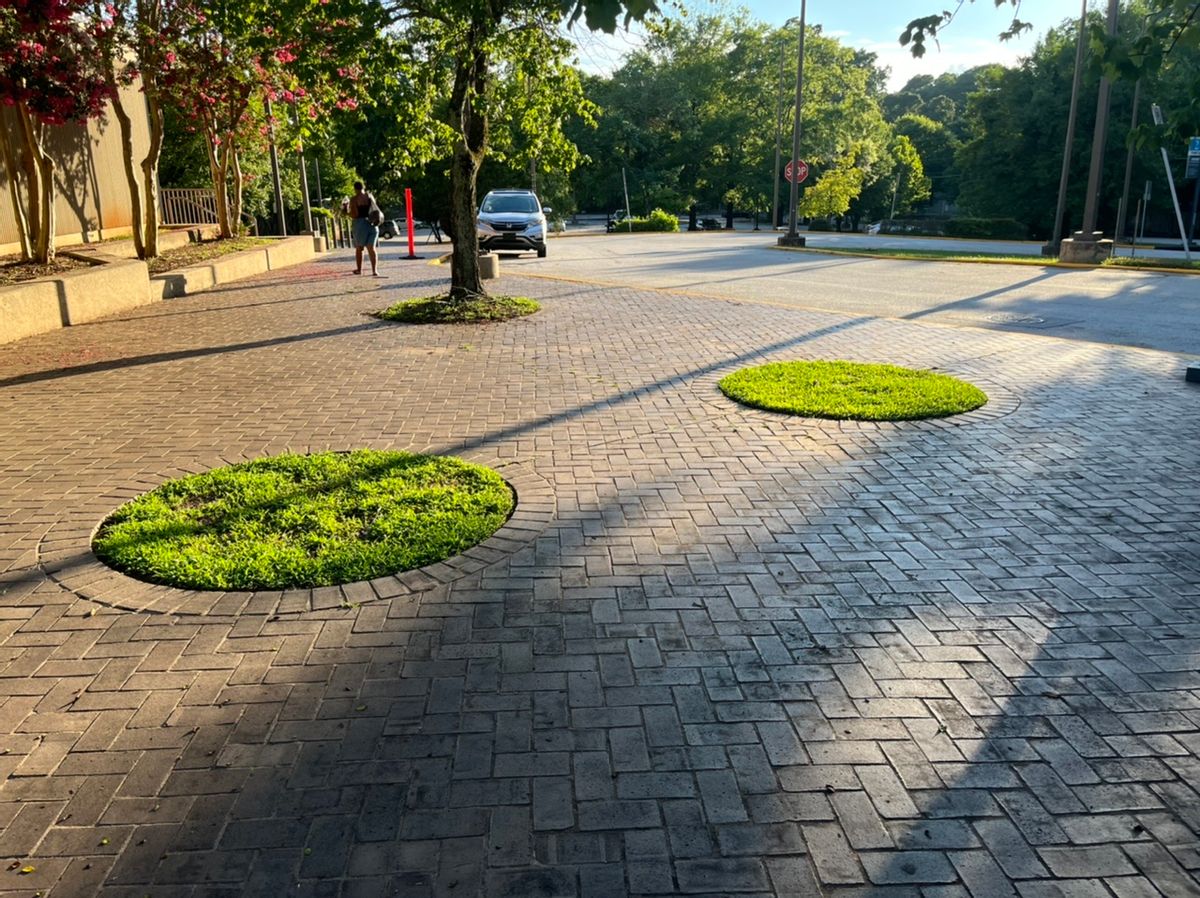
(154, 113)
(465, 280)
(470, 123)
(131, 178)
(13, 170)
(729, 216)
(235, 211)
(40, 172)
(218, 180)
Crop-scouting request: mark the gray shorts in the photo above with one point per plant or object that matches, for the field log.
(364, 233)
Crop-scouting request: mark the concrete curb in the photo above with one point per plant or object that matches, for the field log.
(1034, 261)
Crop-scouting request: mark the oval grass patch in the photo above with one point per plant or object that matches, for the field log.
(305, 520)
(851, 391)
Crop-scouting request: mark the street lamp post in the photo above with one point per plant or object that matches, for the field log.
(792, 238)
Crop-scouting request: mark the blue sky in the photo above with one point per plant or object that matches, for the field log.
(876, 24)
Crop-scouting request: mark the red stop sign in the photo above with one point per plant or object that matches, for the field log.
(796, 171)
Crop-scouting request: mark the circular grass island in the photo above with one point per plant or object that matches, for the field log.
(851, 391)
(471, 310)
(305, 520)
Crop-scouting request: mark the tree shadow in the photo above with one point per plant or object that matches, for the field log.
(155, 358)
(747, 657)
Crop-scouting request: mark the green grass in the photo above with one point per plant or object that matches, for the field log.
(949, 255)
(443, 310)
(939, 255)
(851, 391)
(1142, 262)
(305, 520)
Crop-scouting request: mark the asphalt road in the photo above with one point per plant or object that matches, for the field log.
(1130, 308)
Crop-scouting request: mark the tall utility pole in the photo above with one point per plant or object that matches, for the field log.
(1122, 206)
(275, 171)
(793, 238)
(778, 138)
(1051, 247)
(1086, 244)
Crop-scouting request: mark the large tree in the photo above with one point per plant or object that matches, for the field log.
(304, 56)
(695, 114)
(473, 37)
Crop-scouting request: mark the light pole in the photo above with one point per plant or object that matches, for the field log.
(275, 171)
(1051, 247)
(778, 136)
(1158, 121)
(792, 238)
(1087, 245)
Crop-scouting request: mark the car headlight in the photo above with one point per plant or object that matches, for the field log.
(535, 228)
(484, 226)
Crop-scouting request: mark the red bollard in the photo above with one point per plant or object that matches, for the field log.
(412, 250)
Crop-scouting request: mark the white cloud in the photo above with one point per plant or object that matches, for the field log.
(961, 55)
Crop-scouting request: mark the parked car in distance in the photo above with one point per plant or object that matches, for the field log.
(512, 219)
(389, 229)
(873, 227)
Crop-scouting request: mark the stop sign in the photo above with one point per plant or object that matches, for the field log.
(796, 171)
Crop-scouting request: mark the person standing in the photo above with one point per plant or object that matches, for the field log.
(364, 228)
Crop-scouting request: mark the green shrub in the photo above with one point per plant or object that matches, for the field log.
(820, 224)
(658, 220)
(981, 228)
(991, 228)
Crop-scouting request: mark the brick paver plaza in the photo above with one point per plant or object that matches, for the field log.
(718, 651)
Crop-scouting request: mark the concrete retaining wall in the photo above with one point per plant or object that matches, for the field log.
(86, 294)
(28, 309)
(195, 278)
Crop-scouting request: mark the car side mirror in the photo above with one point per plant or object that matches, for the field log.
(546, 210)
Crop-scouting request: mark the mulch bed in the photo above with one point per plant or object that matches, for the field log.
(14, 271)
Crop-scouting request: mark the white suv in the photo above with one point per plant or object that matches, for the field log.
(512, 219)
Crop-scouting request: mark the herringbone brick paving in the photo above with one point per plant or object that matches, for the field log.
(741, 654)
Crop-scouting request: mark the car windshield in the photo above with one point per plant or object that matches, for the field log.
(509, 202)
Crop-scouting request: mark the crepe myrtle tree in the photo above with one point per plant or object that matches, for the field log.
(474, 38)
(48, 77)
(304, 55)
(138, 43)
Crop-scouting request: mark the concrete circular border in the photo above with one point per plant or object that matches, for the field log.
(1001, 402)
(65, 556)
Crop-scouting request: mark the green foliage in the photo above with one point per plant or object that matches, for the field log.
(303, 521)
(980, 228)
(694, 116)
(851, 391)
(833, 191)
(442, 310)
(990, 228)
(658, 220)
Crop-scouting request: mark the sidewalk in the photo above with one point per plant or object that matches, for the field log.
(741, 654)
